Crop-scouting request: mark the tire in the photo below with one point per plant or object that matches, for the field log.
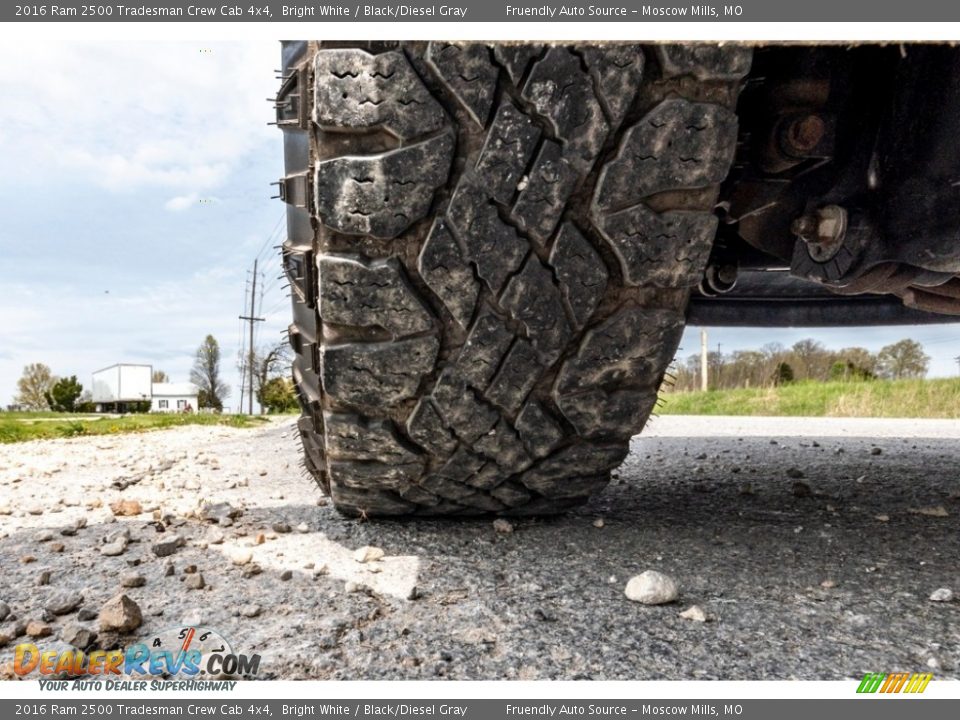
(491, 251)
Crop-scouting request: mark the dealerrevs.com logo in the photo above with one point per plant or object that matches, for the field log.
(180, 652)
(911, 683)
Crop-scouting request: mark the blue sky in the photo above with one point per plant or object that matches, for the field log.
(134, 184)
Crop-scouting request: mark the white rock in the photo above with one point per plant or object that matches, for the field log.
(502, 526)
(193, 616)
(942, 595)
(250, 610)
(367, 554)
(240, 556)
(115, 548)
(651, 588)
(695, 613)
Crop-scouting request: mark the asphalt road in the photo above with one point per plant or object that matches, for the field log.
(824, 576)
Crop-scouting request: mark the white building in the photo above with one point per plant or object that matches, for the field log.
(118, 386)
(174, 397)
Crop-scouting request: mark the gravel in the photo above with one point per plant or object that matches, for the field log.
(456, 599)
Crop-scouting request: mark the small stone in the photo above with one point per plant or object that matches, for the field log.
(43, 577)
(694, 613)
(303, 527)
(80, 636)
(43, 536)
(215, 536)
(251, 570)
(62, 603)
(882, 518)
(195, 581)
(167, 546)
(502, 526)
(27, 559)
(126, 508)
(72, 529)
(39, 629)
(250, 611)
(35, 510)
(352, 587)
(598, 523)
(286, 575)
(367, 554)
(193, 616)
(941, 595)
(261, 539)
(132, 580)
(4, 610)
(190, 569)
(120, 614)
(876, 451)
(280, 527)
(169, 569)
(828, 584)
(802, 490)
(651, 588)
(122, 533)
(87, 614)
(240, 556)
(57, 547)
(795, 473)
(113, 549)
(936, 511)
(219, 512)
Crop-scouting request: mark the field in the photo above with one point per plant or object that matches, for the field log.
(22, 426)
(871, 399)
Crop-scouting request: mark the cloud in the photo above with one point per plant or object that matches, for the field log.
(181, 202)
(127, 116)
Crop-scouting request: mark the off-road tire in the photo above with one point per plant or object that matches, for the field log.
(490, 251)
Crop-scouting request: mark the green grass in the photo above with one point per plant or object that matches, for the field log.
(22, 426)
(877, 398)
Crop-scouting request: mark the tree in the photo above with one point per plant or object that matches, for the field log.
(783, 374)
(159, 376)
(812, 358)
(903, 359)
(62, 397)
(269, 363)
(37, 380)
(861, 363)
(212, 390)
(277, 395)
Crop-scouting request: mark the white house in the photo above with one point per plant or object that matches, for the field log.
(174, 397)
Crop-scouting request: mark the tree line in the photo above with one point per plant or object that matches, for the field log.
(774, 364)
(40, 389)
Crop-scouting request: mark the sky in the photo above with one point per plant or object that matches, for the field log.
(135, 197)
(134, 191)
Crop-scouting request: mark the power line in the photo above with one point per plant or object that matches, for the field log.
(271, 236)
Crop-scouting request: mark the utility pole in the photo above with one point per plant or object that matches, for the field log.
(251, 319)
(703, 359)
(957, 358)
(716, 381)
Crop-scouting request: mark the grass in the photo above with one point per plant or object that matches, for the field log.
(877, 398)
(23, 426)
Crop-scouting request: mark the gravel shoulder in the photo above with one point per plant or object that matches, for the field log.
(811, 546)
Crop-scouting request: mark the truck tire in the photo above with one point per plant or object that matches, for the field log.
(491, 249)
